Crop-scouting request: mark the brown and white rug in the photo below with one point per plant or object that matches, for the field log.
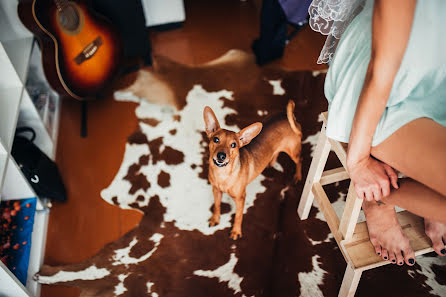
(173, 252)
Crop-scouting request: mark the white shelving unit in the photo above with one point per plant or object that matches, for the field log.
(160, 12)
(20, 64)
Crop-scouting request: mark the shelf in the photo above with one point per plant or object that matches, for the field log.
(15, 287)
(19, 51)
(36, 257)
(15, 185)
(37, 253)
(21, 68)
(40, 105)
(9, 107)
(12, 27)
(3, 159)
(28, 116)
(8, 75)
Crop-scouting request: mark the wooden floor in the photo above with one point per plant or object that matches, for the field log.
(80, 228)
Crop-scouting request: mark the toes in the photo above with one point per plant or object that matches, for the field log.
(399, 258)
(376, 245)
(443, 251)
(438, 245)
(409, 256)
(378, 250)
(384, 254)
(392, 257)
(436, 232)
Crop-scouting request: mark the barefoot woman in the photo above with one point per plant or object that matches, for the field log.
(386, 88)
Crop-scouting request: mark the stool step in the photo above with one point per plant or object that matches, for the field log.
(334, 175)
(359, 250)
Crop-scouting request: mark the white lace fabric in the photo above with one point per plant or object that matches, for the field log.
(331, 18)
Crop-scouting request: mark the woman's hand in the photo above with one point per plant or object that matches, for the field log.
(372, 178)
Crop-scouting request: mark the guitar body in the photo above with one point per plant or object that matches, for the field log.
(80, 50)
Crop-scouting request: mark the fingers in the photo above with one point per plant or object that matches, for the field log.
(392, 175)
(368, 195)
(377, 194)
(385, 188)
(372, 193)
(374, 182)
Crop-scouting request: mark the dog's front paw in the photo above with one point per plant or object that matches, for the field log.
(235, 234)
(214, 221)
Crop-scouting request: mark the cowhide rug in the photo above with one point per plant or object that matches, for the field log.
(173, 251)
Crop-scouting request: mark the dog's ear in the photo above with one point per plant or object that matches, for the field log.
(247, 134)
(210, 121)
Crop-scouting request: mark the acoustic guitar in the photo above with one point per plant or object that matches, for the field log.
(80, 49)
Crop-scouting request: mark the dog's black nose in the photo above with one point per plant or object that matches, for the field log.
(221, 156)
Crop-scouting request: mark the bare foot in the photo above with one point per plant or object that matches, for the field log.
(437, 233)
(386, 234)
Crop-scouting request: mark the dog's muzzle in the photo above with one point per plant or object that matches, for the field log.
(220, 164)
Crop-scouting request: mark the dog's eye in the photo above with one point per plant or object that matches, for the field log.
(233, 145)
(216, 140)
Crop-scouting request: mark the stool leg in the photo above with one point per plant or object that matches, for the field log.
(350, 282)
(314, 174)
(351, 212)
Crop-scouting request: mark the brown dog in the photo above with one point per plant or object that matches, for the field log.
(235, 159)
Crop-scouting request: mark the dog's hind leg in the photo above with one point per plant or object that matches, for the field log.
(295, 156)
(298, 174)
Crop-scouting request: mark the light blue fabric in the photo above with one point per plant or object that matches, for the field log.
(419, 88)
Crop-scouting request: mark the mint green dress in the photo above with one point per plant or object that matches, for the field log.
(419, 88)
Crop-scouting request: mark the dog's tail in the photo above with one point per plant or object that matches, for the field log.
(292, 119)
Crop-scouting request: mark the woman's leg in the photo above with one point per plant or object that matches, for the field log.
(418, 199)
(418, 149)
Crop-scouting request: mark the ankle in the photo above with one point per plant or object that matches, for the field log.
(373, 209)
(369, 205)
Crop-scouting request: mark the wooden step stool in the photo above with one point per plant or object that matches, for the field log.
(352, 237)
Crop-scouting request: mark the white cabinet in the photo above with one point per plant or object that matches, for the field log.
(20, 69)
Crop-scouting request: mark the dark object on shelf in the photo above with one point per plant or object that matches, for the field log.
(17, 221)
(40, 171)
(275, 17)
(75, 63)
(128, 17)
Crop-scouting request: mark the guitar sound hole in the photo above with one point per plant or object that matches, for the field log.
(69, 18)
